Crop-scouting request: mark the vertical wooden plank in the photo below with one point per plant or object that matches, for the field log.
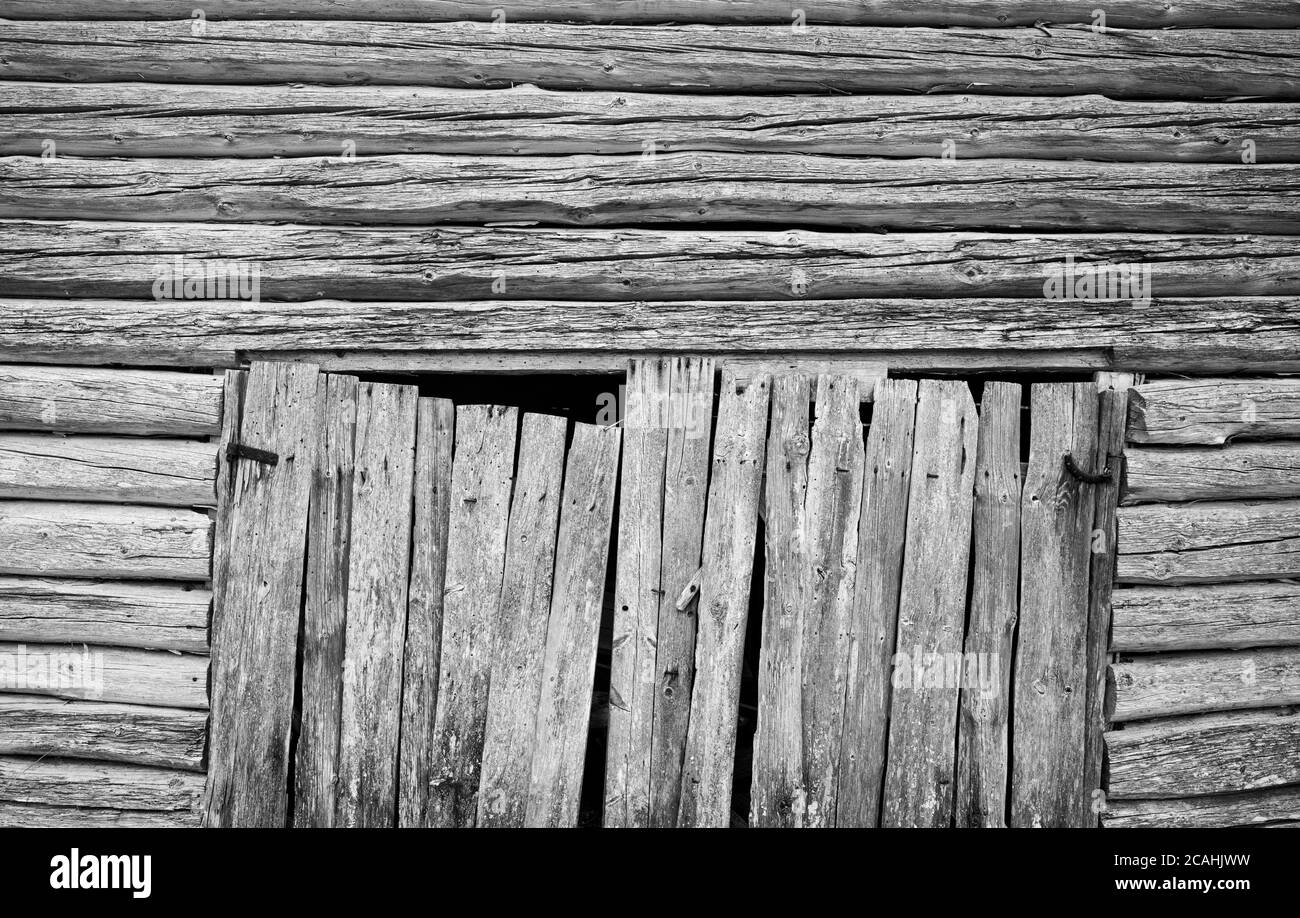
(777, 797)
(632, 674)
(325, 606)
(1112, 411)
(581, 558)
(521, 630)
(476, 545)
(686, 483)
(994, 603)
(1050, 691)
(932, 610)
(881, 531)
(379, 558)
(435, 424)
(253, 693)
(731, 528)
(832, 509)
(232, 411)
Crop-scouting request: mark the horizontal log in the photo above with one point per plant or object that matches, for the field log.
(1204, 754)
(762, 188)
(1220, 615)
(137, 734)
(1176, 335)
(1133, 14)
(54, 539)
(1275, 807)
(89, 672)
(129, 470)
(138, 402)
(126, 119)
(40, 816)
(123, 260)
(1192, 683)
(162, 616)
(1209, 542)
(1066, 60)
(1240, 471)
(1213, 411)
(55, 782)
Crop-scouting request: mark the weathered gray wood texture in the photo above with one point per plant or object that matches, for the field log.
(1207, 542)
(1212, 411)
(920, 774)
(730, 533)
(435, 425)
(325, 604)
(135, 734)
(92, 672)
(1197, 682)
(124, 119)
(79, 258)
(1209, 617)
(966, 335)
(886, 489)
(577, 598)
(481, 478)
(1065, 61)
(255, 652)
(379, 557)
(1273, 807)
(510, 734)
(1134, 14)
(163, 616)
(983, 763)
(1049, 712)
(70, 783)
(94, 400)
(700, 187)
(1238, 471)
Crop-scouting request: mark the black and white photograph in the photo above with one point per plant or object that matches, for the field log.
(655, 415)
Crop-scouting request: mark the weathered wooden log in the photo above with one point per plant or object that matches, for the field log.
(518, 660)
(123, 470)
(983, 763)
(379, 570)
(55, 539)
(125, 119)
(1067, 60)
(731, 528)
(40, 816)
(122, 260)
(255, 640)
(1273, 807)
(920, 776)
(136, 734)
(1213, 411)
(481, 480)
(1133, 14)
(1204, 754)
(137, 402)
(98, 784)
(1210, 617)
(156, 615)
(572, 630)
(633, 675)
(686, 489)
(435, 423)
(882, 528)
(1191, 683)
(1239, 471)
(91, 672)
(778, 798)
(325, 606)
(1049, 710)
(1190, 335)
(1208, 542)
(704, 187)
